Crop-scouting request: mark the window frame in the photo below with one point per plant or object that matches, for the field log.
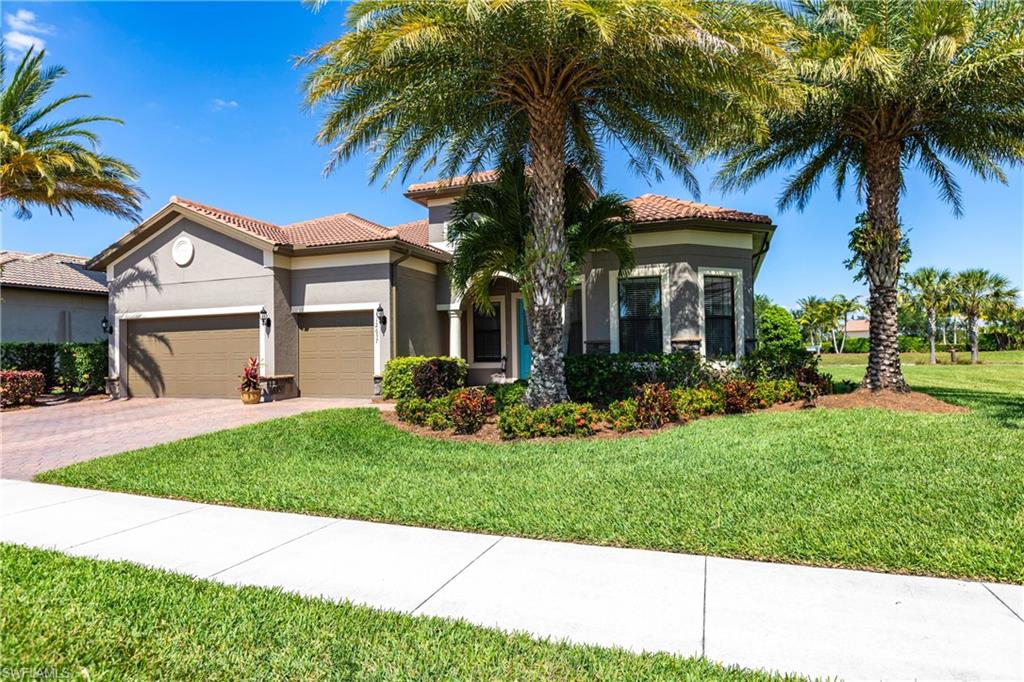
(739, 321)
(641, 271)
(471, 334)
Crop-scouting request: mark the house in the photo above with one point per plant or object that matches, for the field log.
(50, 297)
(325, 303)
(858, 329)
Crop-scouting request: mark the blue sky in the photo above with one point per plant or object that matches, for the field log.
(212, 111)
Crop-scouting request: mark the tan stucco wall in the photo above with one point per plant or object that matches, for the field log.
(50, 316)
(418, 324)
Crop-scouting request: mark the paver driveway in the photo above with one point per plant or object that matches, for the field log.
(51, 437)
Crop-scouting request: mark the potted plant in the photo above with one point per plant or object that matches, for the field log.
(250, 386)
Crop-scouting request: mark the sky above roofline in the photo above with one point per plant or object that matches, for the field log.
(212, 110)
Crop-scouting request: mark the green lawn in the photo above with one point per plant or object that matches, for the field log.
(75, 617)
(929, 494)
(1005, 357)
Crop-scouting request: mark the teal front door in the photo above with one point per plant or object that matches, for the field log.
(525, 354)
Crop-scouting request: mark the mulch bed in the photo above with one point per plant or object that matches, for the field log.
(912, 401)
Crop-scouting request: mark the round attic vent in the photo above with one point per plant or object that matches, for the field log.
(182, 251)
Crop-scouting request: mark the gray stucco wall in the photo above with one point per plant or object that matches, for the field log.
(418, 324)
(684, 260)
(50, 316)
(436, 217)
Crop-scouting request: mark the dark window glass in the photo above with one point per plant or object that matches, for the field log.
(574, 315)
(719, 322)
(487, 335)
(640, 315)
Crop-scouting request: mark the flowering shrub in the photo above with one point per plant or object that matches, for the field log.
(621, 415)
(562, 419)
(437, 377)
(654, 406)
(772, 391)
(699, 401)
(739, 396)
(250, 376)
(82, 366)
(20, 387)
(469, 409)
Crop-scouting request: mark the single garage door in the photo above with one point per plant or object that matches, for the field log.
(196, 357)
(336, 354)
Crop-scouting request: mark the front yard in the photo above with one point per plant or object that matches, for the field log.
(919, 493)
(64, 616)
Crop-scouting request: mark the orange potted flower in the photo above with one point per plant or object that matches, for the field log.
(250, 386)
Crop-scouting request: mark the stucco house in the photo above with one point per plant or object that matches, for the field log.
(857, 329)
(50, 297)
(325, 303)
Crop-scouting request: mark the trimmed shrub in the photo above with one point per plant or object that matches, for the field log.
(699, 401)
(20, 387)
(82, 366)
(27, 355)
(774, 391)
(776, 363)
(396, 384)
(562, 419)
(432, 413)
(469, 409)
(813, 383)
(857, 345)
(739, 396)
(506, 395)
(777, 329)
(913, 344)
(602, 378)
(621, 415)
(654, 406)
(437, 377)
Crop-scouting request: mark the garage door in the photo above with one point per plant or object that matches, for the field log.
(199, 357)
(336, 354)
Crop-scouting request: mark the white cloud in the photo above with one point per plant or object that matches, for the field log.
(25, 31)
(21, 42)
(219, 104)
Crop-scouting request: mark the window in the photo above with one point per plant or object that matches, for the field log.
(640, 315)
(719, 322)
(574, 317)
(487, 335)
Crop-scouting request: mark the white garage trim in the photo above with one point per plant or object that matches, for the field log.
(350, 308)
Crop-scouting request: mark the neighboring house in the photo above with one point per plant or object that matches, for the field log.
(194, 290)
(50, 297)
(858, 329)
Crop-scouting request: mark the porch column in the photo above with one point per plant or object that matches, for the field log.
(455, 333)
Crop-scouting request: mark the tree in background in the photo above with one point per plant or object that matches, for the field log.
(978, 293)
(490, 228)
(930, 290)
(777, 330)
(892, 83)
(1006, 324)
(839, 309)
(50, 164)
(814, 317)
(463, 83)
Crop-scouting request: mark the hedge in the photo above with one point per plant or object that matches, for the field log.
(20, 387)
(73, 366)
(603, 378)
(397, 382)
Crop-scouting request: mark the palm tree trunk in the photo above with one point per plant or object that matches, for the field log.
(972, 331)
(547, 252)
(931, 336)
(882, 264)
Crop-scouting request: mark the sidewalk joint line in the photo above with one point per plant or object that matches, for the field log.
(1008, 607)
(54, 504)
(271, 549)
(141, 525)
(704, 613)
(461, 570)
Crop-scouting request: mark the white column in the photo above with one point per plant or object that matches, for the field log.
(455, 333)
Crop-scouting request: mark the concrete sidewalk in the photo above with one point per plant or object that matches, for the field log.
(814, 621)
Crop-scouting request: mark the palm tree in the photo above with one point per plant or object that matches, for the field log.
(490, 229)
(465, 82)
(55, 164)
(840, 309)
(892, 83)
(977, 293)
(930, 290)
(813, 315)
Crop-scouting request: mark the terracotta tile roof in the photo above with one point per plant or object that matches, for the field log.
(858, 325)
(57, 271)
(340, 228)
(415, 231)
(457, 181)
(656, 208)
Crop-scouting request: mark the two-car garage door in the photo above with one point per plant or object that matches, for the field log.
(203, 357)
(194, 357)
